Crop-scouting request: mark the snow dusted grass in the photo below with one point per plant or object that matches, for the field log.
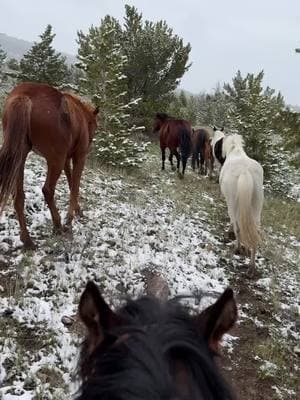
(134, 221)
(130, 225)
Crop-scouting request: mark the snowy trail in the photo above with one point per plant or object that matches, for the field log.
(115, 242)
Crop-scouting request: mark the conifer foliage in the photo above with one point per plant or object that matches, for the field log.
(102, 60)
(42, 63)
(253, 112)
(2, 61)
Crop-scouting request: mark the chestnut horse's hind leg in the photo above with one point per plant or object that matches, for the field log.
(74, 208)
(68, 172)
(53, 173)
(171, 160)
(163, 157)
(19, 200)
(177, 155)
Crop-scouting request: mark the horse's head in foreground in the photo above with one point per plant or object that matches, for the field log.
(152, 350)
(159, 119)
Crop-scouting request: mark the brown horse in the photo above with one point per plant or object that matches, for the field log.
(153, 350)
(55, 125)
(201, 145)
(174, 134)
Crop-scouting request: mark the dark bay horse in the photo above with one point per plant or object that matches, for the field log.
(174, 134)
(201, 148)
(55, 125)
(152, 350)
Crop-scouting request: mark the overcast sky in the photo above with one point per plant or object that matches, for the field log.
(225, 35)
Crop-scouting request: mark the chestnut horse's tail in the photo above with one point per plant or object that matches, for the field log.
(185, 143)
(16, 122)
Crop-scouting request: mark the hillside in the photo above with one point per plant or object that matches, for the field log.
(137, 223)
(16, 48)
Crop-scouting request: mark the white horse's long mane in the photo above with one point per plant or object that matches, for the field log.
(232, 142)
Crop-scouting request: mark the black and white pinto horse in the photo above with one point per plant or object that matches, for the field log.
(217, 144)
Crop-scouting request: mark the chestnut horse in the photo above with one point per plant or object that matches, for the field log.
(55, 125)
(152, 350)
(174, 134)
(201, 144)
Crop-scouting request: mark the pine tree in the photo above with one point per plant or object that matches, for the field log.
(288, 122)
(13, 64)
(101, 58)
(2, 61)
(253, 113)
(213, 108)
(183, 106)
(42, 63)
(157, 59)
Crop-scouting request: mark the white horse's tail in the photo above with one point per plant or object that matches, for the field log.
(248, 229)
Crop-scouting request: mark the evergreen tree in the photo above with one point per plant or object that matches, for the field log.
(213, 108)
(102, 61)
(289, 123)
(2, 61)
(183, 106)
(13, 64)
(42, 63)
(157, 59)
(253, 113)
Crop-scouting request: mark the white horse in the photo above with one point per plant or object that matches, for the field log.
(216, 144)
(241, 182)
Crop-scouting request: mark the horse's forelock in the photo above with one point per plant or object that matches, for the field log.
(150, 343)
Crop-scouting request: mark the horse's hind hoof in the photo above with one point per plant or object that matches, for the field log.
(230, 235)
(252, 272)
(29, 245)
(67, 228)
(57, 230)
(79, 213)
(173, 168)
(180, 175)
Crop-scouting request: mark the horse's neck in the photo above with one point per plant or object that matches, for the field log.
(218, 135)
(237, 151)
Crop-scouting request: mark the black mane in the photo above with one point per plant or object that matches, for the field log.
(140, 360)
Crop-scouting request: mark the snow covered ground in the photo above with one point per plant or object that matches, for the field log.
(114, 243)
(130, 226)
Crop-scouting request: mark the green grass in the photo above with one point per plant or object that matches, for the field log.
(282, 215)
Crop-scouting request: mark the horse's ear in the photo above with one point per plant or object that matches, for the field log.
(96, 110)
(218, 319)
(214, 128)
(222, 129)
(96, 315)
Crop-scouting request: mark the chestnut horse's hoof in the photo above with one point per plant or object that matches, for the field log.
(180, 175)
(57, 230)
(67, 228)
(231, 235)
(252, 272)
(79, 213)
(29, 244)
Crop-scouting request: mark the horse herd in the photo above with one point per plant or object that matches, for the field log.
(149, 348)
(240, 178)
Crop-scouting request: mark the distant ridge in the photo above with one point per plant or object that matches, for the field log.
(16, 48)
